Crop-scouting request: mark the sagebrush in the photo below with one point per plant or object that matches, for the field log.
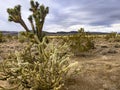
(79, 42)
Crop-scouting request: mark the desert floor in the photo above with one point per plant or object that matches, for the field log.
(99, 68)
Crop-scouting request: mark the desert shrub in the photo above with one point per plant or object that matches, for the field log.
(117, 39)
(79, 42)
(25, 37)
(28, 37)
(15, 37)
(21, 37)
(8, 36)
(38, 67)
(1, 37)
(111, 35)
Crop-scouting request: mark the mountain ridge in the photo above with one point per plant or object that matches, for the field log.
(53, 33)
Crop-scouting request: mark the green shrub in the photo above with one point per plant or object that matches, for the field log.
(38, 67)
(15, 37)
(80, 42)
(111, 35)
(25, 37)
(1, 37)
(21, 37)
(8, 36)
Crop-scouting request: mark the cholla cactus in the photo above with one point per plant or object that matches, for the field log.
(39, 13)
(38, 67)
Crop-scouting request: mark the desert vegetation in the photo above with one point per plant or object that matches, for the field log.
(1, 37)
(39, 66)
(80, 42)
(32, 60)
(44, 66)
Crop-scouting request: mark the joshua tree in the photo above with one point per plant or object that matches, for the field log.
(36, 19)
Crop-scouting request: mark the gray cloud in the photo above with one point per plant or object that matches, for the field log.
(67, 13)
(99, 12)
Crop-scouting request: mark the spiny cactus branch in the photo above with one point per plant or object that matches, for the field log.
(15, 16)
(24, 25)
(36, 20)
(30, 18)
(39, 14)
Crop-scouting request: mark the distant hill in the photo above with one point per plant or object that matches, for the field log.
(10, 32)
(53, 33)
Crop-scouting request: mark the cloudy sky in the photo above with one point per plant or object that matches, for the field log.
(69, 15)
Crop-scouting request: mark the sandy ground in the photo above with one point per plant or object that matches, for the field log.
(100, 67)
